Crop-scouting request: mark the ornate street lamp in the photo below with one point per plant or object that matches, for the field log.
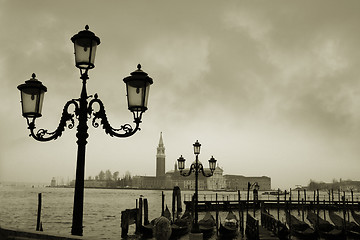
(32, 95)
(196, 167)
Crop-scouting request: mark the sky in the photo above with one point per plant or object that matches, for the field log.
(269, 88)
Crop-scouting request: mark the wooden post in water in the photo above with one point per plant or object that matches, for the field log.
(140, 210)
(217, 214)
(240, 217)
(298, 202)
(302, 209)
(344, 212)
(146, 212)
(162, 203)
(352, 198)
(38, 221)
(278, 205)
(305, 195)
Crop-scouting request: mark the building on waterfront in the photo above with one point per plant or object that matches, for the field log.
(53, 182)
(170, 179)
(160, 180)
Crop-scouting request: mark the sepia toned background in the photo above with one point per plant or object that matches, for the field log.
(267, 87)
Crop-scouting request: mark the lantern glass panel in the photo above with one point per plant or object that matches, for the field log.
(212, 164)
(181, 163)
(32, 100)
(197, 146)
(137, 93)
(85, 50)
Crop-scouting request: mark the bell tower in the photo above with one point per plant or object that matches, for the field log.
(160, 158)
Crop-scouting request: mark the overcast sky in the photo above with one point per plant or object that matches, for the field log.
(267, 87)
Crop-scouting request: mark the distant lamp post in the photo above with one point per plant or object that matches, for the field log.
(196, 167)
(256, 187)
(32, 95)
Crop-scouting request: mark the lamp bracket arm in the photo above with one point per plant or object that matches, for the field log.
(126, 128)
(186, 174)
(201, 168)
(44, 135)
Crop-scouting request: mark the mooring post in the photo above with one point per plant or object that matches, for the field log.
(162, 203)
(146, 212)
(240, 217)
(352, 198)
(344, 212)
(217, 214)
(278, 205)
(140, 212)
(298, 202)
(305, 195)
(302, 209)
(124, 223)
(38, 222)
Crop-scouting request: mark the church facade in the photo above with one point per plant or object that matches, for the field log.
(218, 182)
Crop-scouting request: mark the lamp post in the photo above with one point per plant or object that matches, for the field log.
(196, 167)
(256, 188)
(32, 95)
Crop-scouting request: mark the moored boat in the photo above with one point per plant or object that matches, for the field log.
(299, 228)
(229, 228)
(351, 228)
(181, 226)
(324, 228)
(207, 225)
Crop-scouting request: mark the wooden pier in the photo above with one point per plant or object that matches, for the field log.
(225, 202)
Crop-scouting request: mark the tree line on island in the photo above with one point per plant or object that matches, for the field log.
(113, 179)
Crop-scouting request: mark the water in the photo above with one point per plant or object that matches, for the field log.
(102, 208)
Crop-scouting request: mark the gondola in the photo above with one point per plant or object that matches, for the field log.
(324, 228)
(207, 225)
(351, 228)
(229, 228)
(181, 226)
(356, 216)
(300, 229)
(147, 230)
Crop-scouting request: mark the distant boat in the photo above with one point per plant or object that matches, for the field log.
(229, 228)
(274, 193)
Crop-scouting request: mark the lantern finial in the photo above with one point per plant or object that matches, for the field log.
(87, 27)
(33, 75)
(139, 66)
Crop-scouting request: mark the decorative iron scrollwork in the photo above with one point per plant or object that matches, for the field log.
(113, 132)
(41, 134)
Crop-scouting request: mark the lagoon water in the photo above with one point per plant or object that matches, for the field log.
(102, 208)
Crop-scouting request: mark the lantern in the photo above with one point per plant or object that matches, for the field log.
(197, 146)
(137, 88)
(181, 163)
(212, 164)
(32, 96)
(85, 43)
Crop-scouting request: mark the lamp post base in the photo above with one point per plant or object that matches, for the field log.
(196, 236)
